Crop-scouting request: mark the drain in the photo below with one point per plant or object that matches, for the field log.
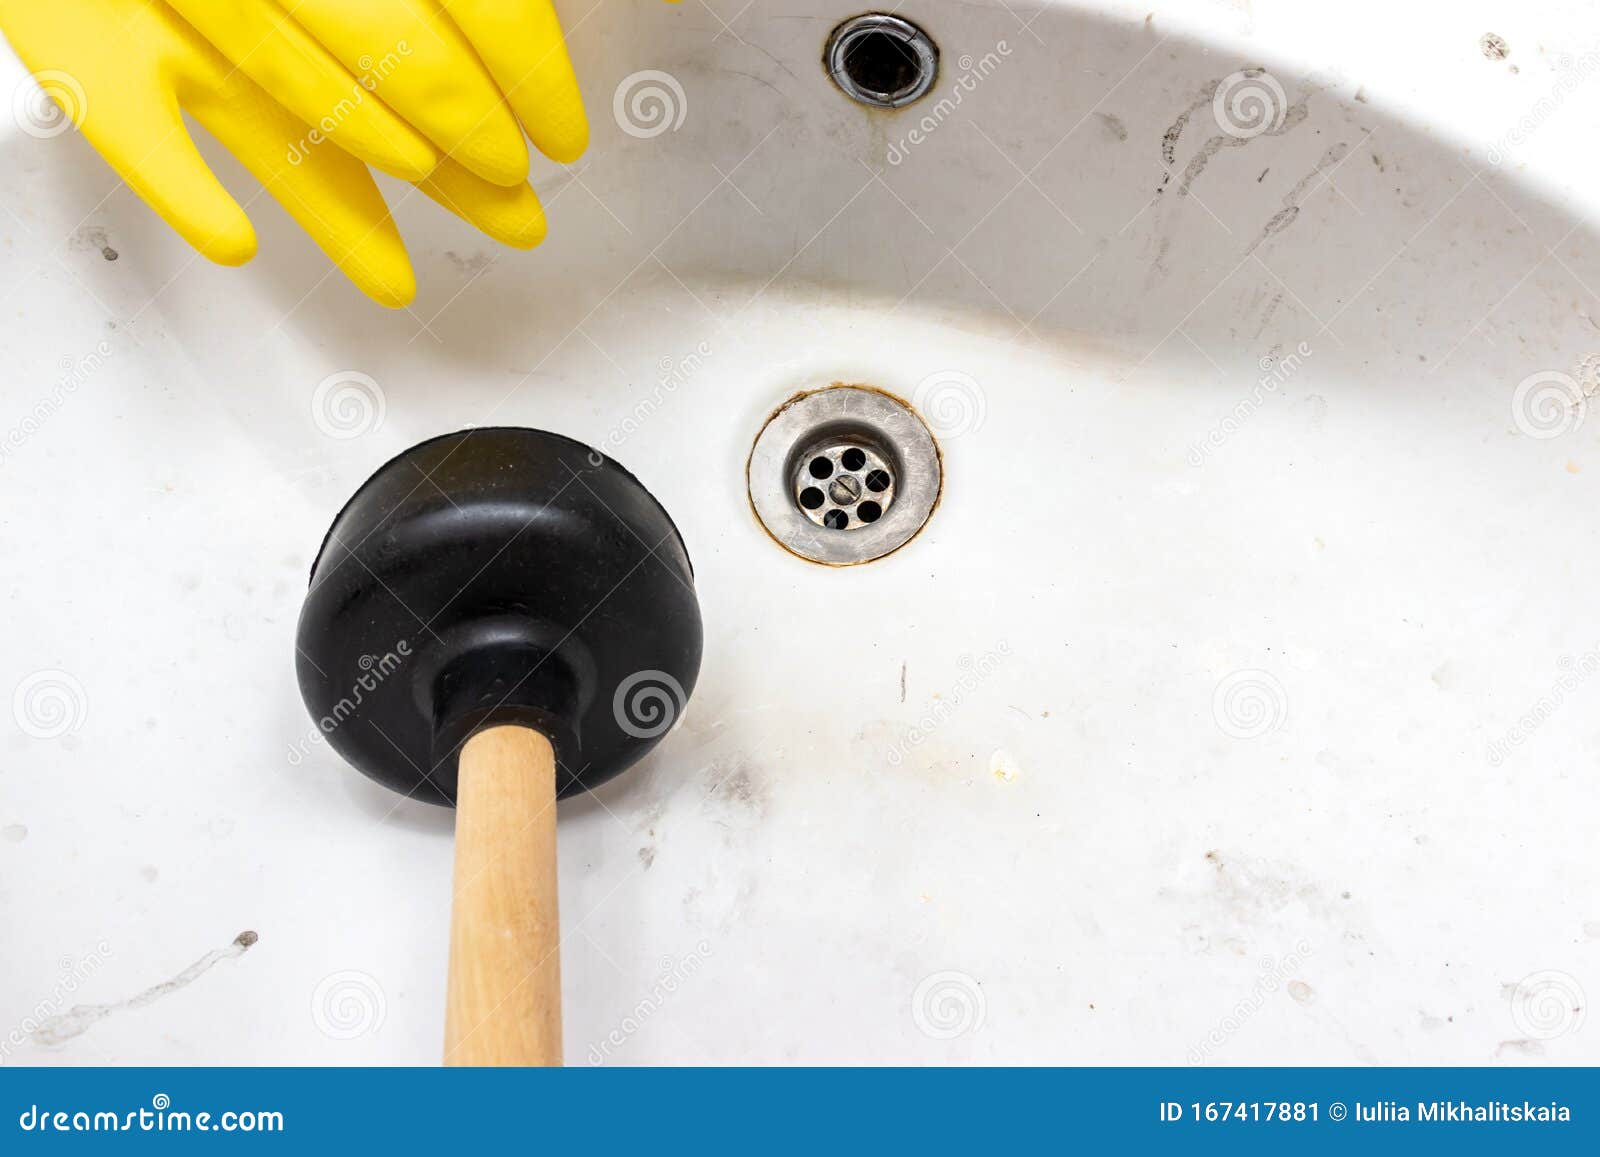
(844, 485)
(882, 61)
(844, 475)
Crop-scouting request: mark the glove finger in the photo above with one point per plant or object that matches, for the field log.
(414, 59)
(511, 214)
(280, 56)
(521, 43)
(122, 102)
(330, 193)
(158, 159)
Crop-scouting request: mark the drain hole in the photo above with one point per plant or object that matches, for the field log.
(834, 475)
(881, 61)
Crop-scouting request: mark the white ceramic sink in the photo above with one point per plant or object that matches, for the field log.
(1236, 705)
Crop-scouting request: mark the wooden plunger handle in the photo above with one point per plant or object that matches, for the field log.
(503, 1005)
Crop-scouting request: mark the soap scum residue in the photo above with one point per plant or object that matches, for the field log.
(80, 1018)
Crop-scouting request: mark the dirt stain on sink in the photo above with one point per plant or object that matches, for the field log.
(1113, 125)
(735, 791)
(1292, 200)
(1281, 119)
(77, 1020)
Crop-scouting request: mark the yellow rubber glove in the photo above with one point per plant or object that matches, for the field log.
(135, 67)
(463, 72)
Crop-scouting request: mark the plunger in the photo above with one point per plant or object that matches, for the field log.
(497, 619)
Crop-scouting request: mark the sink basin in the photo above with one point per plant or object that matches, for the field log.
(1234, 706)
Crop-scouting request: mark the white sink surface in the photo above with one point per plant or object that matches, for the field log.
(1000, 797)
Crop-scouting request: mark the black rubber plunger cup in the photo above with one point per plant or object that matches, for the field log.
(499, 617)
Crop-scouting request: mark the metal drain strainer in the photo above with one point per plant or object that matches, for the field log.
(881, 60)
(844, 475)
(845, 486)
